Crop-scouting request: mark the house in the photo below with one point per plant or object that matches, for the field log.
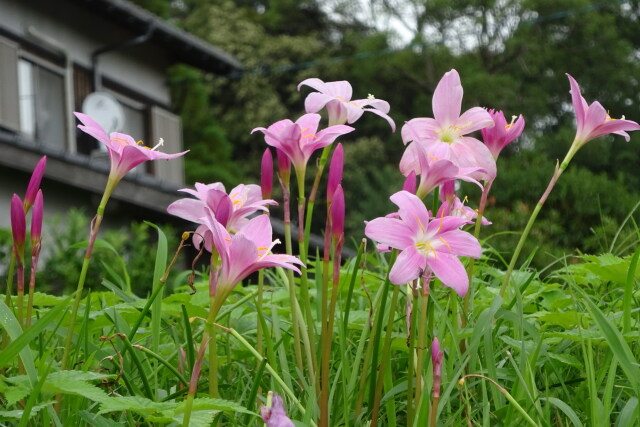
(105, 57)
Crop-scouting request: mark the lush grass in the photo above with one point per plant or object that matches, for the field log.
(562, 349)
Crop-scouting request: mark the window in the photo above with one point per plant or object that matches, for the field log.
(41, 103)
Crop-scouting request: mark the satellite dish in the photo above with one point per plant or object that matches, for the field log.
(105, 109)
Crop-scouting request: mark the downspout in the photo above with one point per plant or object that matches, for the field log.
(56, 46)
(97, 80)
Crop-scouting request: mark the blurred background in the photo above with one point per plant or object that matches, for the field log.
(217, 69)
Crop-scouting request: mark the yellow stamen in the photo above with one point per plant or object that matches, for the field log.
(445, 243)
(513, 119)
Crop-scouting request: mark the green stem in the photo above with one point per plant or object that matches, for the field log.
(12, 267)
(532, 219)
(386, 347)
(164, 362)
(85, 267)
(411, 343)
(215, 303)
(421, 330)
(193, 384)
(433, 416)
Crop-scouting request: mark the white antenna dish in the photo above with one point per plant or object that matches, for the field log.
(105, 109)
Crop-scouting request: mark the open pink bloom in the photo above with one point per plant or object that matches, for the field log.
(336, 96)
(433, 171)
(500, 135)
(230, 210)
(593, 121)
(275, 416)
(435, 244)
(300, 139)
(444, 135)
(436, 359)
(245, 252)
(124, 152)
(34, 183)
(455, 207)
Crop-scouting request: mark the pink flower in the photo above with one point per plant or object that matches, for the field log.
(593, 121)
(230, 210)
(243, 253)
(34, 183)
(336, 96)
(500, 135)
(444, 136)
(300, 139)
(410, 183)
(436, 359)
(18, 225)
(454, 207)
(275, 416)
(124, 152)
(266, 174)
(435, 244)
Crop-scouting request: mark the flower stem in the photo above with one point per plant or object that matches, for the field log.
(293, 299)
(32, 286)
(20, 290)
(532, 219)
(433, 416)
(95, 227)
(421, 330)
(193, 383)
(412, 298)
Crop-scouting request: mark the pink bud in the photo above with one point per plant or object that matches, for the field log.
(266, 174)
(18, 224)
(34, 183)
(284, 165)
(335, 171)
(36, 219)
(337, 213)
(436, 359)
(410, 183)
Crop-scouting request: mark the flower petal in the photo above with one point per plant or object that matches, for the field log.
(408, 266)
(450, 271)
(389, 231)
(447, 99)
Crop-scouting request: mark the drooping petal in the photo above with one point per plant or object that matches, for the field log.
(189, 209)
(408, 266)
(450, 271)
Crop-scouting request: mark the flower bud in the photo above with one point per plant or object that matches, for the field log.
(337, 213)
(34, 183)
(335, 171)
(266, 174)
(436, 359)
(18, 225)
(284, 165)
(36, 219)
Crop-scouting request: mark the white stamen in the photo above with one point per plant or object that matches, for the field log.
(370, 96)
(159, 144)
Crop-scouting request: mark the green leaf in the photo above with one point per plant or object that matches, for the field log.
(566, 319)
(209, 403)
(17, 413)
(566, 358)
(96, 420)
(628, 414)
(138, 404)
(570, 413)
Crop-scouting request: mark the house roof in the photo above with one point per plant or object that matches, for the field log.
(183, 46)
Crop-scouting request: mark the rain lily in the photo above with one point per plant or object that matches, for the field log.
(124, 152)
(444, 135)
(455, 207)
(275, 416)
(230, 210)
(500, 135)
(34, 183)
(336, 96)
(425, 243)
(436, 359)
(266, 174)
(243, 253)
(300, 139)
(36, 238)
(593, 120)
